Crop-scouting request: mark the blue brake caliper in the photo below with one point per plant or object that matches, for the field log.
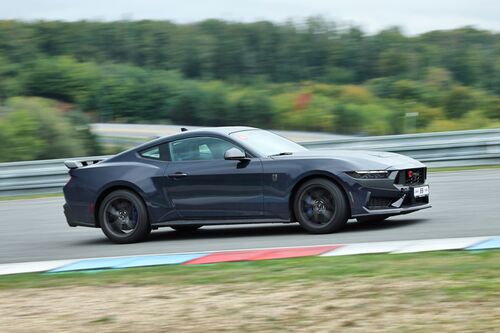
(133, 217)
(309, 207)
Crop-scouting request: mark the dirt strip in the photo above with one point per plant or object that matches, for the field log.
(370, 305)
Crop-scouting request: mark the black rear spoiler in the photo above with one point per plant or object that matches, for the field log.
(75, 164)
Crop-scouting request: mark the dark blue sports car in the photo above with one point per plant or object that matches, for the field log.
(232, 175)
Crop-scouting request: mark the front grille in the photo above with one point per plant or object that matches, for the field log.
(379, 203)
(412, 176)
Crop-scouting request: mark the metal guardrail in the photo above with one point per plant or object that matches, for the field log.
(34, 177)
(450, 149)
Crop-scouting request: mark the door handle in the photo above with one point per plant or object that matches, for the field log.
(177, 175)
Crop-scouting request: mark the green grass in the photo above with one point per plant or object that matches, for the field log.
(480, 269)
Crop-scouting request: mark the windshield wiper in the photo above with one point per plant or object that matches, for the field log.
(282, 154)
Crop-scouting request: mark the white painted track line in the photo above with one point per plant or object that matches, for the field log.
(364, 248)
(32, 267)
(440, 244)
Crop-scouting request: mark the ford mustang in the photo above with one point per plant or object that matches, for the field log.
(230, 175)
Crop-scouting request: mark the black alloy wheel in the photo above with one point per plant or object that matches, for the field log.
(123, 217)
(320, 206)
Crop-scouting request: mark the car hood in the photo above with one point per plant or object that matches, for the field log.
(360, 159)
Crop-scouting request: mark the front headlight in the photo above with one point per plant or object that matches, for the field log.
(370, 174)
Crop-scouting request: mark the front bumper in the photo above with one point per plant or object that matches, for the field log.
(393, 211)
(385, 196)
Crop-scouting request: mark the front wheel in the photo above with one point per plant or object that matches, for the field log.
(320, 206)
(123, 217)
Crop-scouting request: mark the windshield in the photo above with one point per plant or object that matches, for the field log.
(266, 143)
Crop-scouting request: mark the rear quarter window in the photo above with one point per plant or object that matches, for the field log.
(153, 153)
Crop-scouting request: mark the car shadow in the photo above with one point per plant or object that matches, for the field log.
(270, 230)
(256, 230)
(386, 224)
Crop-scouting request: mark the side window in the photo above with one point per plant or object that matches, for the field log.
(153, 152)
(199, 149)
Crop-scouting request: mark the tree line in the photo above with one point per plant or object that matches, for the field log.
(315, 49)
(127, 93)
(312, 75)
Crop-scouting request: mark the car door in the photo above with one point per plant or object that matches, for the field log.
(203, 185)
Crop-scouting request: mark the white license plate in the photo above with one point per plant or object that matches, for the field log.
(421, 191)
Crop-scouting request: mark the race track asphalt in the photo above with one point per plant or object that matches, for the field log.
(465, 203)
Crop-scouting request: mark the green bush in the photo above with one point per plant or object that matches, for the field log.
(36, 128)
(458, 101)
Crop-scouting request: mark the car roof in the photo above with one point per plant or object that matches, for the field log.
(223, 130)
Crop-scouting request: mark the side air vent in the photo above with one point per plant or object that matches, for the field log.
(379, 203)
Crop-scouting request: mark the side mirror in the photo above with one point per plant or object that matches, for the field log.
(234, 154)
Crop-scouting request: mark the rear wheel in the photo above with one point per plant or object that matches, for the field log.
(320, 206)
(186, 228)
(123, 217)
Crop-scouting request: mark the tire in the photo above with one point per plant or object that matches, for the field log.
(320, 206)
(186, 228)
(123, 217)
(372, 219)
